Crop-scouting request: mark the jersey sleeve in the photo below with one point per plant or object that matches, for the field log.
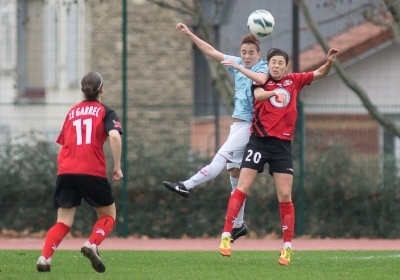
(303, 79)
(261, 67)
(111, 121)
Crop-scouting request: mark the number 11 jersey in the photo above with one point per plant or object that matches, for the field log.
(82, 137)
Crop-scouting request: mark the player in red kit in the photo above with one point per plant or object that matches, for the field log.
(270, 142)
(82, 171)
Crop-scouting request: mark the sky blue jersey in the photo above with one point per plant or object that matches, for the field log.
(244, 108)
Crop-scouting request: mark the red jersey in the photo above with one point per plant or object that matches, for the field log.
(271, 117)
(82, 137)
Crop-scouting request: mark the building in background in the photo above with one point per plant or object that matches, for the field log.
(47, 46)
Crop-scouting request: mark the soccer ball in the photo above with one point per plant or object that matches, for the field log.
(260, 23)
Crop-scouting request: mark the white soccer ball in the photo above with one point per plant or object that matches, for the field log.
(260, 23)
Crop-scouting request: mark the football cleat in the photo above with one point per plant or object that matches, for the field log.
(178, 188)
(238, 232)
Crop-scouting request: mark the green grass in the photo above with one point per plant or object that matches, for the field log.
(206, 265)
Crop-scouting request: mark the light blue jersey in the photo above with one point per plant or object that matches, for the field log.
(243, 108)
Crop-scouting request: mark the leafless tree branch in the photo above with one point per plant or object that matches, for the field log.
(357, 89)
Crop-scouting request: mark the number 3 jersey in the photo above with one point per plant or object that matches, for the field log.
(82, 137)
(271, 117)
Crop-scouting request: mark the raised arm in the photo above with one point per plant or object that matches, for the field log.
(258, 78)
(205, 47)
(323, 71)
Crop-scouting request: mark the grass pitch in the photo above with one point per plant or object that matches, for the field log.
(242, 265)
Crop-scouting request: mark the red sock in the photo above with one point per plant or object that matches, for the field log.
(286, 210)
(101, 229)
(235, 203)
(53, 238)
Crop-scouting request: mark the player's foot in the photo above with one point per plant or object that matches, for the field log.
(43, 265)
(238, 232)
(90, 251)
(178, 188)
(284, 258)
(225, 247)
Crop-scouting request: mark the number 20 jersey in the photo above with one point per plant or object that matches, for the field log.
(82, 137)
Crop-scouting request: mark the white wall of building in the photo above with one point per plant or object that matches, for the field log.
(377, 74)
(64, 58)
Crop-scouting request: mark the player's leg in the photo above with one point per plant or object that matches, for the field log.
(231, 151)
(207, 173)
(97, 192)
(281, 167)
(239, 227)
(235, 203)
(287, 215)
(66, 198)
(54, 236)
(104, 225)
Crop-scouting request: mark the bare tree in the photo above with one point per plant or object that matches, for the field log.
(386, 13)
(356, 88)
(204, 29)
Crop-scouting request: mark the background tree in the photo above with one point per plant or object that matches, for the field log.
(387, 14)
(204, 28)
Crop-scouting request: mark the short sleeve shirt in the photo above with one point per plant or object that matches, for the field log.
(82, 137)
(271, 118)
(243, 98)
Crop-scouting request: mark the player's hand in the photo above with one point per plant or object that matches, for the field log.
(282, 97)
(182, 27)
(332, 54)
(231, 63)
(117, 174)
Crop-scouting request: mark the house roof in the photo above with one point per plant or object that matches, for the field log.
(351, 44)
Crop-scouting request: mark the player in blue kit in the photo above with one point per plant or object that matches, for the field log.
(249, 68)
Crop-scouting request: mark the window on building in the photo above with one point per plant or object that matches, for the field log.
(30, 50)
(48, 33)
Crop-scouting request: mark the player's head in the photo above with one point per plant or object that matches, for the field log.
(277, 63)
(250, 51)
(92, 85)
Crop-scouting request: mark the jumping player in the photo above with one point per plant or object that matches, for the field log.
(270, 142)
(82, 172)
(247, 68)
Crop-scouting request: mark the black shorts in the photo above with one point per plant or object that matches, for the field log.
(274, 151)
(71, 188)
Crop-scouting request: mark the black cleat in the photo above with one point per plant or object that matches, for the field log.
(178, 188)
(238, 232)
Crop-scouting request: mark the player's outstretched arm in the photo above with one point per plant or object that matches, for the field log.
(323, 71)
(205, 47)
(258, 78)
(116, 147)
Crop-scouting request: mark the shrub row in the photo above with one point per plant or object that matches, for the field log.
(344, 195)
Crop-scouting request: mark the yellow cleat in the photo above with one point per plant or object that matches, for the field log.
(225, 247)
(284, 258)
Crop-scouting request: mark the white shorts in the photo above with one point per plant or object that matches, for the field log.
(234, 146)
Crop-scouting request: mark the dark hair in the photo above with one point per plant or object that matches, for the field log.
(251, 39)
(91, 84)
(277, 52)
